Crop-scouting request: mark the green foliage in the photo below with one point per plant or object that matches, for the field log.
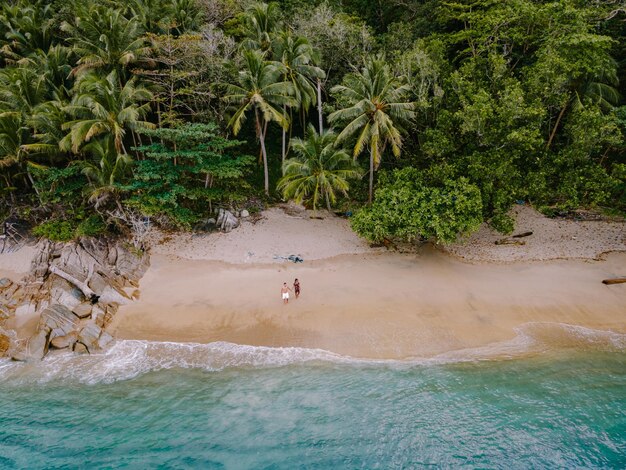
(180, 178)
(409, 206)
(75, 226)
(319, 170)
(59, 185)
(55, 230)
(518, 99)
(92, 226)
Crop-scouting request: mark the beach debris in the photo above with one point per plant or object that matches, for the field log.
(226, 221)
(617, 280)
(508, 241)
(293, 258)
(523, 234)
(83, 286)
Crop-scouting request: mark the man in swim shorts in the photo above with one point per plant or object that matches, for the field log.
(284, 292)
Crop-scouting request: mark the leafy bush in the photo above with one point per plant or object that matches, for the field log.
(408, 206)
(91, 227)
(60, 230)
(55, 230)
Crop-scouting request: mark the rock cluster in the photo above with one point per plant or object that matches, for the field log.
(74, 288)
(226, 221)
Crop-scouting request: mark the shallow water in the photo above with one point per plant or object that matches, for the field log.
(144, 405)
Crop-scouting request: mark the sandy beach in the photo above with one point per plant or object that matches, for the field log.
(370, 303)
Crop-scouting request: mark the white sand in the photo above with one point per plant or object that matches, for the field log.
(16, 264)
(551, 239)
(275, 234)
(385, 305)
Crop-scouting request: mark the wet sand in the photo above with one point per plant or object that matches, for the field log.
(377, 305)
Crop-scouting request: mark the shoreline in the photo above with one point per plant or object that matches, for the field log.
(376, 306)
(365, 302)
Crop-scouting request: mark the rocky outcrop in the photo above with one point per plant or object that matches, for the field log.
(226, 221)
(76, 288)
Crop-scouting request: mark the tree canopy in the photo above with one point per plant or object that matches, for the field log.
(116, 107)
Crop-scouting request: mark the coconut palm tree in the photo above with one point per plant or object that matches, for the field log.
(262, 91)
(298, 57)
(105, 39)
(101, 106)
(104, 170)
(319, 170)
(27, 26)
(261, 21)
(376, 108)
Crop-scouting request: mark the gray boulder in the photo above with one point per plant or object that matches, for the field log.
(226, 221)
(62, 342)
(36, 347)
(82, 310)
(104, 340)
(90, 335)
(244, 214)
(80, 348)
(58, 318)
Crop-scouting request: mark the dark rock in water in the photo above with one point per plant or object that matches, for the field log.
(62, 342)
(83, 310)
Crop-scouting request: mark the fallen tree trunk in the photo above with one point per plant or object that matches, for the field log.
(85, 289)
(508, 241)
(617, 280)
(523, 234)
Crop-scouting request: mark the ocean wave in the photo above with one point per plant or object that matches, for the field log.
(127, 359)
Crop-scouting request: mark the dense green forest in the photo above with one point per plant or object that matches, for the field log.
(423, 117)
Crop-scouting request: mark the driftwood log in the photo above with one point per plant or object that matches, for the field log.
(85, 289)
(617, 280)
(508, 241)
(523, 234)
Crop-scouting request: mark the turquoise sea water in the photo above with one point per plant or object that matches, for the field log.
(147, 405)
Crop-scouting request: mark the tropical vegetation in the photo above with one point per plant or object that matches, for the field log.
(423, 118)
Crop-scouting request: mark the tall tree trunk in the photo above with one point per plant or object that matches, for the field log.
(371, 196)
(261, 132)
(556, 126)
(319, 105)
(284, 144)
(327, 201)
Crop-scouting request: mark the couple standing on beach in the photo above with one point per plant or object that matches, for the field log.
(284, 291)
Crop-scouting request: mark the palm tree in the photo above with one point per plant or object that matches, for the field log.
(297, 55)
(598, 89)
(261, 21)
(376, 108)
(105, 174)
(262, 91)
(319, 169)
(101, 106)
(105, 39)
(27, 26)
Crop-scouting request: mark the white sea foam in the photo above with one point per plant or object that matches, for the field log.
(127, 359)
